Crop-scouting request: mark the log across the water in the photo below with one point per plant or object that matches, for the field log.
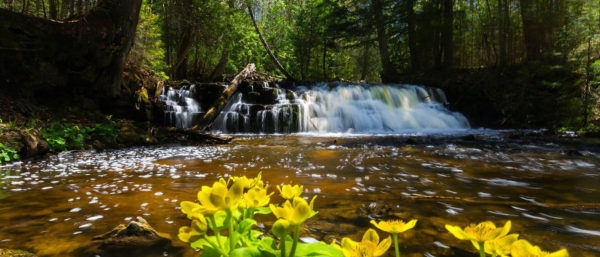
(212, 113)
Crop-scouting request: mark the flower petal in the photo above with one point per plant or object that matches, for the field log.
(383, 246)
(457, 232)
(559, 253)
(371, 236)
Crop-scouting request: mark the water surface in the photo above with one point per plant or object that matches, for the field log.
(548, 187)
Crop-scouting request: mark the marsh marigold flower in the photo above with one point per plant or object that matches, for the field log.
(522, 248)
(500, 246)
(482, 232)
(290, 192)
(219, 197)
(196, 231)
(369, 246)
(257, 197)
(295, 212)
(394, 226)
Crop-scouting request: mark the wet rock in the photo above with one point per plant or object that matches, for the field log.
(131, 135)
(138, 238)
(33, 144)
(15, 253)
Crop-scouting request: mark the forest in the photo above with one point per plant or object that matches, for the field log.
(297, 128)
(377, 41)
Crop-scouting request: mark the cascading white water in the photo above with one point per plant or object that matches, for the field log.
(346, 108)
(181, 109)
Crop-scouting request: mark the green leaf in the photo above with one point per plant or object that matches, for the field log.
(317, 249)
(246, 225)
(210, 252)
(246, 252)
(263, 210)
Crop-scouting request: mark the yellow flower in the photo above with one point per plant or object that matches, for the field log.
(257, 197)
(368, 247)
(296, 212)
(484, 231)
(394, 226)
(219, 197)
(191, 209)
(500, 246)
(522, 248)
(290, 192)
(248, 182)
(191, 234)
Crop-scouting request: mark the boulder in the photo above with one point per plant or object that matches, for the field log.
(137, 238)
(34, 145)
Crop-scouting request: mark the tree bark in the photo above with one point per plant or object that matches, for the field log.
(220, 68)
(87, 53)
(412, 41)
(388, 73)
(212, 113)
(447, 34)
(531, 33)
(53, 10)
(267, 48)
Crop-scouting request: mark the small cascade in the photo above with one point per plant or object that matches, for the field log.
(341, 108)
(181, 108)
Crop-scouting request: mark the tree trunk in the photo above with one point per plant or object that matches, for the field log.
(448, 34)
(502, 30)
(531, 33)
(53, 10)
(267, 48)
(412, 40)
(45, 55)
(212, 113)
(387, 74)
(220, 68)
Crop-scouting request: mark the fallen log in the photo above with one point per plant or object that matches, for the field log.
(199, 136)
(212, 113)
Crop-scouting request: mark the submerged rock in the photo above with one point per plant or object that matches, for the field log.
(138, 238)
(15, 253)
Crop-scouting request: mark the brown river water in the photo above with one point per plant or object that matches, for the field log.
(548, 187)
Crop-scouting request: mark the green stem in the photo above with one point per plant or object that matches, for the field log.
(296, 237)
(214, 229)
(395, 237)
(231, 239)
(282, 245)
(481, 250)
(214, 246)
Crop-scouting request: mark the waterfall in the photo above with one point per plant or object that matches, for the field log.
(181, 108)
(345, 108)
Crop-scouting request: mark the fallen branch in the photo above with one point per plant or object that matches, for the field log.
(212, 113)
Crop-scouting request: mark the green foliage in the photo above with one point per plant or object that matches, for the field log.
(7, 153)
(61, 137)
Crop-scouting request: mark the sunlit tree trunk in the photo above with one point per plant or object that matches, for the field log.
(266, 46)
(412, 41)
(388, 73)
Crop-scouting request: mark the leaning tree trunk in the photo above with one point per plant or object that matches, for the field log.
(212, 113)
(39, 56)
(273, 58)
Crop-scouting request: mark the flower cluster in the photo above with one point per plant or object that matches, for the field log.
(231, 205)
(489, 239)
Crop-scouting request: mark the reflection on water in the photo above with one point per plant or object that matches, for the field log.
(548, 188)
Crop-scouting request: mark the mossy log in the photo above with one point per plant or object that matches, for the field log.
(212, 113)
(38, 55)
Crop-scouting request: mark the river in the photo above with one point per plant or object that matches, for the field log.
(548, 186)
